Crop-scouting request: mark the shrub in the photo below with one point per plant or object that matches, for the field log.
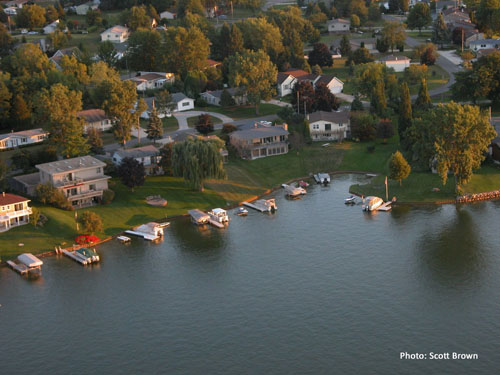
(228, 128)
(200, 102)
(47, 194)
(107, 196)
(91, 222)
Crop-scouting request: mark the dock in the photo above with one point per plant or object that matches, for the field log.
(216, 224)
(75, 256)
(123, 239)
(146, 236)
(19, 268)
(321, 177)
(26, 263)
(262, 205)
(199, 217)
(385, 207)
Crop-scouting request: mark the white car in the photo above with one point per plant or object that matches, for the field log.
(24, 31)
(33, 33)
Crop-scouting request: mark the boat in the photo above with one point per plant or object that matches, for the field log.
(90, 255)
(372, 203)
(302, 184)
(350, 200)
(242, 211)
(27, 263)
(322, 178)
(219, 215)
(294, 192)
(199, 217)
(123, 239)
(263, 205)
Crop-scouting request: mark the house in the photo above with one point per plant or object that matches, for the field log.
(15, 3)
(168, 15)
(472, 36)
(22, 138)
(477, 45)
(11, 11)
(329, 126)
(453, 17)
(260, 141)
(152, 80)
(398, 63)
(149, 156)
(95, 118)
(183, 103)
(14, 211)
(338, 25)
(57, 57)
(82, 9)
(213, 97)
(212, 64)
(50, 28)
(115, 34)
(287, 80)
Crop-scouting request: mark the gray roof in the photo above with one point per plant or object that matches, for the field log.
(335, 117)
(92, 115)
(217, 93)
(394, 58)
(67, 165)
(486, 41)
(260, 132)
(179, 96)
(139, 152)
(29, 179)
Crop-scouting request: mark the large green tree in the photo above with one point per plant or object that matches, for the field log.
(197, 160)
(155, 126)
(419, 16)
(259, 34)
(394, 34)
(440, 33)
(405, 113)
(399, 169)
(254, 73)
(132, 173)
(142, 51)
(31, 16)
(423, 101)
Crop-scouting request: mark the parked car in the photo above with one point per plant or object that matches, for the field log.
(24, 31)
(222, 16)
(33, 33)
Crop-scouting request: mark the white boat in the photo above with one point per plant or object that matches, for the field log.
(199, 217)
(242, 211)
(219, 215)
(350, 200)
(123, 239)
(294, 192)
(322, 178)
(372, 203)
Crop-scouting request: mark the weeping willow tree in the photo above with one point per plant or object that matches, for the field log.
(198, 159)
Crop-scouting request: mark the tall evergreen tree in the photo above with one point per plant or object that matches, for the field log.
(441, 33)
(423, 101)
(95, 140)
(405, 113)
(155, 126)
(378, 100)
(345, 46)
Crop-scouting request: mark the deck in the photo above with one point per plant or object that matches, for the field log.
(146, 236)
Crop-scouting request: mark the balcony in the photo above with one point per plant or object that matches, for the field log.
(86, 194)
(25, 212)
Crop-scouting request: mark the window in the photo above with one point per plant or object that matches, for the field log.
(185, 104)
(73, 191)
(328, 127)
(315, 126)
(99, 170)
(92, 187)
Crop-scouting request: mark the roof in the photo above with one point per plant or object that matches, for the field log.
(92, 115)
(282, 76)
(340, 20)
(486, 41)
(212, 63)
(358, 41)
(179, 96)
(6, 198)
(67, 165)
(116, 29)
(326, 79)
(24, 133)
(29, 260)
(394, 58)
(260, 132)
(150, 76)
(217, 93)
(139, 152)
(335, 117)
(31, 179)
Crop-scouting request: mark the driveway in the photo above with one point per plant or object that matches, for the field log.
(183, 116)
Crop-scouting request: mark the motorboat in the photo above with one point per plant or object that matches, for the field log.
(350, 200)
(219, 215)
(372, 203)
(242, 211)
(294, 192)
(322, 178)
(302, 184)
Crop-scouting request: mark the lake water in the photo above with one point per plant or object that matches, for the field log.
(317, 288)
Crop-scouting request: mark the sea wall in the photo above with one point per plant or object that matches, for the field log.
(479, 196)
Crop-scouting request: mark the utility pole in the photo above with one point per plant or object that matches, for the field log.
(462, 40)
(298, 102)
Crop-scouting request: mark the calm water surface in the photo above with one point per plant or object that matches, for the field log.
(318, 288)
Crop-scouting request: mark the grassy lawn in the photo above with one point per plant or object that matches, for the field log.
(170, 124)
(242, 112)
(91, 41)
(192, 121)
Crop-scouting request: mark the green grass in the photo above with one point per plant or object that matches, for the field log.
(170, 124)
(192, 121)
(242, 112)
(91, 41)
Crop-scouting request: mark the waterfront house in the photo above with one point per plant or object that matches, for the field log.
(14, 211)
(260, 141)
(287, 80)
(329, 126)
(22, 138)
(57, 57)
(116, 34)
(398, 63)
(152, 80)
(214, 97)
(338, 25)
(95, 118)
(149, 156)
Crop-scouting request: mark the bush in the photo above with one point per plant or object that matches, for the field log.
(228, 128)
(47, 194)
(93, 29)
(107, 196)
(200, 102)
(91, 222)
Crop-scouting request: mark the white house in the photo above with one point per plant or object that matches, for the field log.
(14, 211)
(10, 11)
(50, 28)
(60, 53)
(152, 80)
(82, 9)
(183, 103)
(149, 156)
(398, 63)
(22, 138)
(214, 97)
(15, 3)
(477, 45)
(95, 118)
(287, 80)
(115, 34)
(472, 36)
(329, 126)
(333, 83)
(168, 15)
(338, 25)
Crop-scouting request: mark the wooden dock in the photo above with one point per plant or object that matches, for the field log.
(76, 257)
(258, 208)
(385, 207)
(216, 224)
(146, 236)
(19, 268)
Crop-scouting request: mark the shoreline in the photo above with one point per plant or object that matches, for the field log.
(267, 192)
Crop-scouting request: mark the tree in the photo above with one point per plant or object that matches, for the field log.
(324, 100)
(122, 127)
(165, 162)
(427, 53)
(254, 74)
(72, 67)
(91, 222)
(229, 40)
(35, 216)
(142, 51)
(5, 97)
(31, 16)
(360, 56)
(356, 104)
(378, 102)
(399, 169)
(303, 97)
(4, 169)
(189, 6)
(164, 102)
(106, 52)
(93, 17)
(405, 113)
(6, 41)
(155, 126)
(57, 39)
(440, 33)
(345, 46)
(419, 16)
(394, 34)
(385, 129)
(320, 55)
(197, 160)
(355, 21)
(204, 124)
(226, 100)
(374, 14)
(132, 173)
(457, 34)
(382, 45)
(138, 18)
(95, 140)
(362, 126)
(259, 34)
(139, 110)
(423, 101)
(404, 5)
(57, 108)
